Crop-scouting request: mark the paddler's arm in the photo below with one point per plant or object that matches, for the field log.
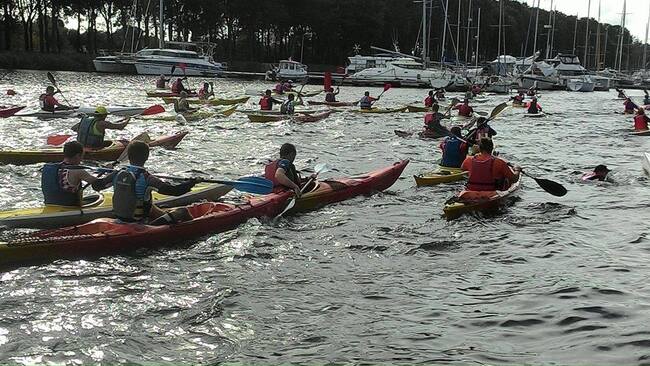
(114, 125)
(281, 177)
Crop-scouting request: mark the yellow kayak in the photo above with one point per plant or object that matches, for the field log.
(97, 206)
(471, 201)
(442, 175)
(213, 101)
(199, 115)
(381, 110)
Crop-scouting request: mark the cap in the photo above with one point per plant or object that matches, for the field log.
(101, 110)
(601, 168)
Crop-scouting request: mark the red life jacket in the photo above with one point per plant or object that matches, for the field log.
(428, 102)
(160, 83)
(176, 87)
(465, 110)
(265, 104)
(269, 172)
(481, 177)
(640, 122)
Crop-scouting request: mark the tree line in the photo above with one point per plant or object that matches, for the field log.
(327, 30)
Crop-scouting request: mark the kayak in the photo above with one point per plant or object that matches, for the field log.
(55, 154)
(442, 175)
(425, 134)
(381, 110)
(213, 101)
(331, 104)
(105, 236)
(469, 201)
(199, 115)
(117, 111)
(646, 163)
(416, 108)
(96, 206)
(166, 93)
(41, 114)
(519, 105)
(298, 117)
(304, 94)
(10, 111)
(640, 133)
(535, 115)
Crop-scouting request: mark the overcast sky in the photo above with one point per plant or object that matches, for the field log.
(610, 11)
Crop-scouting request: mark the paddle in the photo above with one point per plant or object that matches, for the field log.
(495, 112)
(387, 87)
(320, 168)
(53, 81)
(56, 140)
(549, 186)
(255, 185)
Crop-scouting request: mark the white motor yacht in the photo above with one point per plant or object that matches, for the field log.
(159, 61)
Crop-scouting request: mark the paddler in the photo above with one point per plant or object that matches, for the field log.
(482, 130)
(330, 97)
(440, 94)
(91, 130)
(487, 172)
(454, 149)
(132, 188)
(518, 99)
(178, 87)
(367, 101)
(288, 107)
(282, 172)
(287, 86)
(429, 101)
(600, 173)
(182, 105)
(533, 106)
(162, 81)
(629, 106)
(641, 120)
(49, 103)
(532, 91)
(267, 101)
(476, 90)
(206, 91)
(61, 182)
(432, 122)
(464, 109)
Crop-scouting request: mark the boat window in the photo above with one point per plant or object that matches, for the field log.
(370, 63)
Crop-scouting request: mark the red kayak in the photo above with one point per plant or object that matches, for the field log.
(331, 104)
(9, 111)
(104, 236)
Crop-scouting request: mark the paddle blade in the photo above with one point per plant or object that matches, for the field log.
(173, 69)
(180, 119)
(498, 109)
(253, 185)
(56, 140)
(387, 86)
(154, 109)
(50, 77)
(551, 187)
(289, 207)
(321, 168)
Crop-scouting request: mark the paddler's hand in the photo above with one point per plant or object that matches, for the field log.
(517, 169)
(297, 192)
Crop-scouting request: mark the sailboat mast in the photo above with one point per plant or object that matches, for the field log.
(161, 41)
(444, 34)
(548, 31)
(536, 26)
(469, 24)
(458, 34)
(424, 33)
(478, 35)
(575, 33)
(597, 56)
(620, 53)
(645, 43)
(499, 43)
(585, 60)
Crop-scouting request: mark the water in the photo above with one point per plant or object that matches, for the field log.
(381, 279)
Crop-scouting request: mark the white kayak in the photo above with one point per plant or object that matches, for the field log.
(535, 115)
(41, 114)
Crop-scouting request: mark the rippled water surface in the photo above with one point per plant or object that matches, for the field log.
(380, 279)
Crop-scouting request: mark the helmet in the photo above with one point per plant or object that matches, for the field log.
(101, 110)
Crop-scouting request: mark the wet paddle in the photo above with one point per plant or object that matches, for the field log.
(53, 81)
(318, 169)
(549, 186)
(56, 140)
(255, 185)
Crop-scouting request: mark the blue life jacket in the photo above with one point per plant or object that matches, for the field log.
(365, 103)
(87, 135)
(452, 155)
(131, 194)
(53, 193)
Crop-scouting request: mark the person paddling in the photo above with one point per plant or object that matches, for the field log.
(367, 101)
(464, 109)
(629, 106)
(182, 105)
(429, 101)
(487, 172)
(267, 101)
(49, 103)
(178, 87)
(132, 187)
(91, 130)
(482, 130)
(641, 120)
(600, 173)
(206, 92)
(162, 81)
(432, 122)
(476, 90)
(533, 106)
(440, 94)
(454, 149)
(282, 172)
(289, 106)
(330, 97)
(518, 99)
(61, 182)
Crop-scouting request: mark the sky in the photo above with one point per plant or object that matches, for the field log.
(610, 12)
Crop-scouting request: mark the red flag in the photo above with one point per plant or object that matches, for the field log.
(327, 81)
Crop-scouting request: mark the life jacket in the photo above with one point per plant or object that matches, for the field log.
(177, 86)
(518, 98)
(483, 131)
(533, 108)
(53, 193)
(203, 92)
(481, 176)
(278, 88)
(266, 104)
(428, 101)
(330, 97)
(365, 103)
(131, 194)
(286, 87)
(640, 122)
(46, 105)
(453, 153)
(287, 107)
(272, 167)
(87, 133)
(465, 110)
(160, 83)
